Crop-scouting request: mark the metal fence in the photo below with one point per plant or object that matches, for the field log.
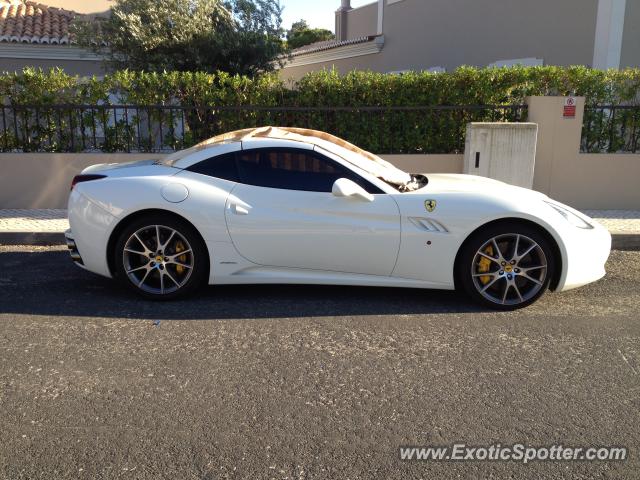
(611, 129)
(162, 128)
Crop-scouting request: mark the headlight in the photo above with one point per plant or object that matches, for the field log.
(570, 217)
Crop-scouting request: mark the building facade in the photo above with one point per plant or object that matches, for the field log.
(37, 35)
(437, 35)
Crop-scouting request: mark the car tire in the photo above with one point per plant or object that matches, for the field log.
(160, 257)
(494, 274)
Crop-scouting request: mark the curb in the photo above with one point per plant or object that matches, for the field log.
(619, 241)
(32, 238)
(625, 241)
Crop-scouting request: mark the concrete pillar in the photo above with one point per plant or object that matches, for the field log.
(609, 32)
(558, 142)
(380, 29)
(341, 20)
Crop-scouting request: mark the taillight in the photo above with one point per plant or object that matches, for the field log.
(85, 178)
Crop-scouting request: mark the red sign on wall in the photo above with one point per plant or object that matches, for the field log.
(569, 108)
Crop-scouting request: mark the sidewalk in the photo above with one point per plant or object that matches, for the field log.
(46, 227)
(32, 227)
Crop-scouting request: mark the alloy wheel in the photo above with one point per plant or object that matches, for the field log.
(509, 269)
(158, 259)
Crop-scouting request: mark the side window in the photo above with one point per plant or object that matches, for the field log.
(293, 169)
(221, 166)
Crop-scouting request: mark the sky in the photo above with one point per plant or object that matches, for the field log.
(317, 13)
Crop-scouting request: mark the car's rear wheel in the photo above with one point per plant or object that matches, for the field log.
(160, 257)
(506, 266)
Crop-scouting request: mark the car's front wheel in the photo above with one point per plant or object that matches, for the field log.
(160, 257)
(506, 266)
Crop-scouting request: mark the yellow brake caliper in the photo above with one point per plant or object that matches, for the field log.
(484, 265)
(181, 258)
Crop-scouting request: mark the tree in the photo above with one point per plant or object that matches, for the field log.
(236, 36)
(300, 35)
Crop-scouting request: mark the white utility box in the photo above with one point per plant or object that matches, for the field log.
(503, 151)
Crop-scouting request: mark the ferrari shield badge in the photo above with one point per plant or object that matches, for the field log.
(430, 205)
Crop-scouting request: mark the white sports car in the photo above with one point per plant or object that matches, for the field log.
(287, 205)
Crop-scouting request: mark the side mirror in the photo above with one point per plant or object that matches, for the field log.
(343, 187)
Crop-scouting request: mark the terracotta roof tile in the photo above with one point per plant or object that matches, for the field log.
(24, 21)
(329, 44)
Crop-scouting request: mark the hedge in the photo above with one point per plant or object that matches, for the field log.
(404, 131)
(464, 86)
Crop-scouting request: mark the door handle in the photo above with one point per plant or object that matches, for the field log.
(238, 210)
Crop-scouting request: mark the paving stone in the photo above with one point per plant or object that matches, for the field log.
(41, 220)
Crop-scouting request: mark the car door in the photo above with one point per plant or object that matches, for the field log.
(282, 213)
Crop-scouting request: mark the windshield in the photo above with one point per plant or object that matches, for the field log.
(378, 167)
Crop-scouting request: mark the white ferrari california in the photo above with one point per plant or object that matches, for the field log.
(289, 205)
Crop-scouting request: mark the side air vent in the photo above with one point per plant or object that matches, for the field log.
(428, 225)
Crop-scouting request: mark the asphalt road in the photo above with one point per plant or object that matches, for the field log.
(306, 382)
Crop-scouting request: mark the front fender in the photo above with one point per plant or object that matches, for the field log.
(430, 255)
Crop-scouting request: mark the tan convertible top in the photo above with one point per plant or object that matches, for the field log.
(373, 164)
(286, 133)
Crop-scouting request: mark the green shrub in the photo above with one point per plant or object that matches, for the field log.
(464, 86)
(339, 98)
